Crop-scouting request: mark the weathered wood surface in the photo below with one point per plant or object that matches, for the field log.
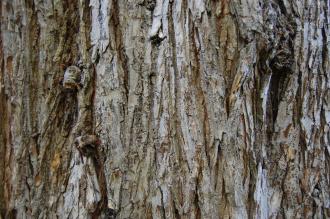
(200, 109)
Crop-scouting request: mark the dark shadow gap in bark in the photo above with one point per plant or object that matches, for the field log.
(102, 207)
(198, 214)
(252, 205)
(3, 127)
(281, 67)
(115, 26)
(216, 170)
(175, 130)
(278, 85)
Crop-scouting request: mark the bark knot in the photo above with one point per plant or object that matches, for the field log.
(72, 78)
(87, 145)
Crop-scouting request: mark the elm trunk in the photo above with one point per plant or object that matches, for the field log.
(176, 109)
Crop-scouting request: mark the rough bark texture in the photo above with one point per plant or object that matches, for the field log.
(190, 108)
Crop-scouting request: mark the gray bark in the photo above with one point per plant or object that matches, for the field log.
(164, 109)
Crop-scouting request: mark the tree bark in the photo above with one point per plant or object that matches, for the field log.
(172, 109)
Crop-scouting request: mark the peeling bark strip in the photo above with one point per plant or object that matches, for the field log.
(165, 109)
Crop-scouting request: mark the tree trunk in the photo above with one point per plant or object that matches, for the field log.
(165, 109)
